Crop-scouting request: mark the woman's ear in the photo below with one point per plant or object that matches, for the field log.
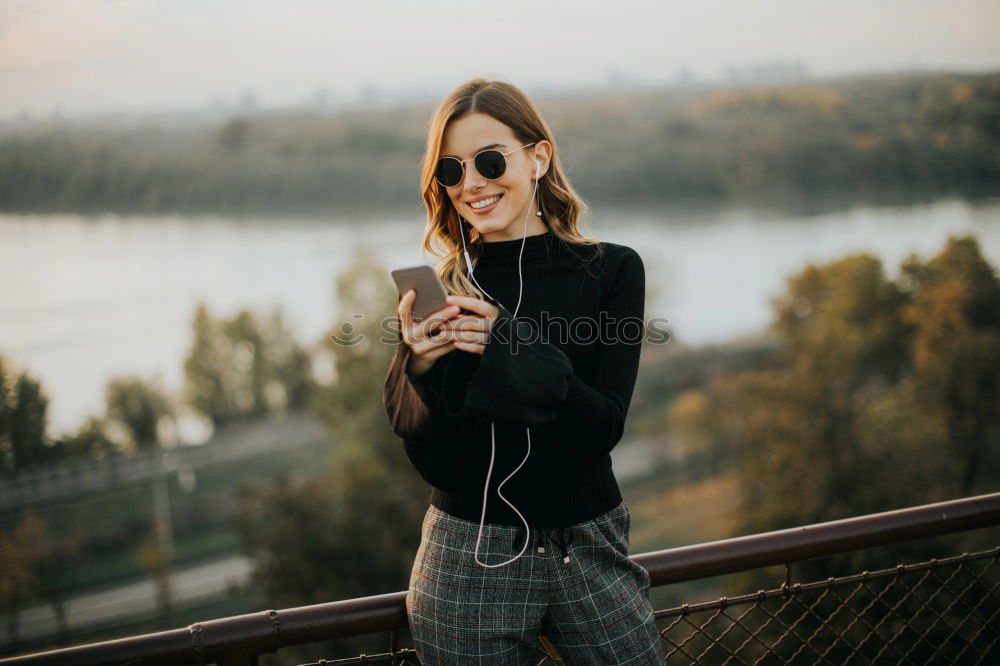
(543, 155)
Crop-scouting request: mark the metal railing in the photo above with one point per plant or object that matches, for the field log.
(945, 613)
(940, 611)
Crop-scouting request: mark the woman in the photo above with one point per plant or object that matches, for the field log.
(536, 397)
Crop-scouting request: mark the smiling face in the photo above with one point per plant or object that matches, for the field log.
(504, 219)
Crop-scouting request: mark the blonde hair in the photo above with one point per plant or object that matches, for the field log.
(562, 208)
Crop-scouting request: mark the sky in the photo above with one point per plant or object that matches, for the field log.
(85, 57)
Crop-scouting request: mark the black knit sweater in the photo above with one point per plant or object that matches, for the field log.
(565, 368)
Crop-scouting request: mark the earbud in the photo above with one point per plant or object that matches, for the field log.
(538, 172)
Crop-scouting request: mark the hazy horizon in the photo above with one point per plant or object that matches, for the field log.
(85, 57)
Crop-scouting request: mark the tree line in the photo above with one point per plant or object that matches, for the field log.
(855, 137)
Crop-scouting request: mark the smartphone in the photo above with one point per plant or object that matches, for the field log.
(431, 293)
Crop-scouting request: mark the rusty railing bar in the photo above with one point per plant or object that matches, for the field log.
(237, 640)
(725, 556)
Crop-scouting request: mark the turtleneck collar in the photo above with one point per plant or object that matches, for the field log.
(500, 252)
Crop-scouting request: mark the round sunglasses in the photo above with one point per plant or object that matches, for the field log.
(491, 164)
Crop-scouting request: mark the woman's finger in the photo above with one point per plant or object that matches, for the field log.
(477, 305)
(469, 346)
(434, 322)
(440, 350)
(425, 345)
(467, 323)
(418, 331)
(405, 308)
(465, 335)
(445, 312)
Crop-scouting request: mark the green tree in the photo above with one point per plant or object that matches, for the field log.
(205, 371)
(245, 367)
(955, 350)
(90, 440)
(23, 407)
(138, 406)
(290, 377)
(796, 425)
(886, 395)
(248, 362)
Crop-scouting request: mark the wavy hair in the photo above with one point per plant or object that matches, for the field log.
(563, 210)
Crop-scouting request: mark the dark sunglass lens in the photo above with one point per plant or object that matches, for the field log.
(449, 171)
(491, 164)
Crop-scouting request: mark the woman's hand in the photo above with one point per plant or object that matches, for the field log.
(424, 338)
(470, 332)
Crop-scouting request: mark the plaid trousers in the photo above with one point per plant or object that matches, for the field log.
(576, 585)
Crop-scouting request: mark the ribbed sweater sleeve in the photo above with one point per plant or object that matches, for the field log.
(416, 414)
(408, 403)
(598, 409)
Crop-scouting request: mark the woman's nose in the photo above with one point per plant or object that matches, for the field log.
(473, 179)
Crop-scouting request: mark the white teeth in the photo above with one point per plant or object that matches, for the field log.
(485, 202)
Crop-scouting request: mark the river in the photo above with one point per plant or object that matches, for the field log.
(85, 299)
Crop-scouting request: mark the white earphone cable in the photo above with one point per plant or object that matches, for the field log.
(493, 442)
